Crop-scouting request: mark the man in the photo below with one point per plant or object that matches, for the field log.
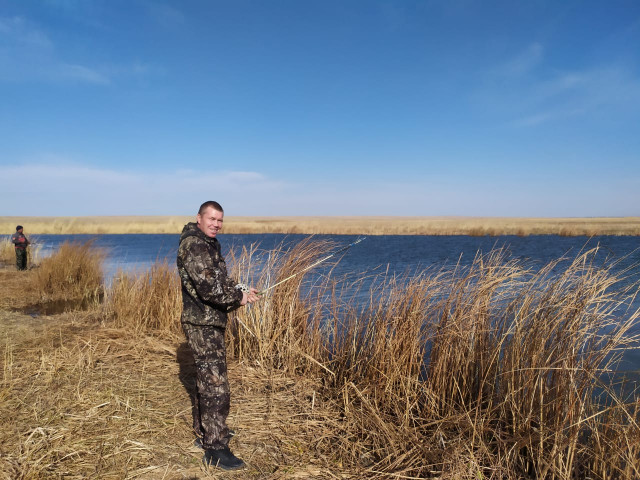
(208, 294)
(21, 243)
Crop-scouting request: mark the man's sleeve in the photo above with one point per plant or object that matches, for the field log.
(211, 283)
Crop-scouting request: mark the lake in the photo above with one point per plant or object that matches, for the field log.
(399, 253)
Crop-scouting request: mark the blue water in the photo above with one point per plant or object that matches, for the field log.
(397, 254)
(401, 253)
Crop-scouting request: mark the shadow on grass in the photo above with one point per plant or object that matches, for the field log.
(187, 375)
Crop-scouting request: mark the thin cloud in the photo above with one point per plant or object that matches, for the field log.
(100, 191)
(571, 94)
(523, 63)
(525, 89)
(17, 32)
(57, 188)
(83, 74)
(166, 15)
(27, 53)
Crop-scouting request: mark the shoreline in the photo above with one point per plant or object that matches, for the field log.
(333, 225)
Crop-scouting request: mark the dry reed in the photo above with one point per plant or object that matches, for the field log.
(276, 332)
(477, 226)
(492, 367)
(7, 252)
(74, 271)
(146, 302)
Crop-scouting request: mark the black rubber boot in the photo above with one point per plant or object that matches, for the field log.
(222, 458)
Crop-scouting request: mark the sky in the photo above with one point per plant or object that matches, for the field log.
(525, 108)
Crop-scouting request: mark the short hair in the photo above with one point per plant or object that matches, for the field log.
(212, 204)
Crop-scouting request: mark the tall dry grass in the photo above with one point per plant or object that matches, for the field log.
(7, 251)
(344, 225)
(283, 330)
(147, 302)
(74, 271)
(493, 370)
(489, 371)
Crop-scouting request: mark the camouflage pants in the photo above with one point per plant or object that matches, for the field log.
(212, 398)
(21, 258)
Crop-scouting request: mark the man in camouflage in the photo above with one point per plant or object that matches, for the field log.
(208, 294)
(21, 243)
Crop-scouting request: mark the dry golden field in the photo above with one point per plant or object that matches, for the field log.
(374, 225)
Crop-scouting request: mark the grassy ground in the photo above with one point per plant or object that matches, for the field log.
(333, 225)
(82, 399)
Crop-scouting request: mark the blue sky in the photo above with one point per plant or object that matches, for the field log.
(452, 107)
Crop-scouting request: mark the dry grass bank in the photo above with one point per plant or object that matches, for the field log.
(334, 225)
(81, 399)
(325, 386)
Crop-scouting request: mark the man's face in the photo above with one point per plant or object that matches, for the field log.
(210, 222)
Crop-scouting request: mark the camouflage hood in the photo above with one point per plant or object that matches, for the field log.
(207, 291)
(191, 230)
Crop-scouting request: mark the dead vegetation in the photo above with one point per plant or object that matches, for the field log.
(74, 271)
(149, 302)
(7, 252)
(84, 400)
(345, 225)
(488, 371)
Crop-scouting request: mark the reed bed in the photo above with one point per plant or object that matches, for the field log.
(488, 371)
(345, 225)
(74, 271)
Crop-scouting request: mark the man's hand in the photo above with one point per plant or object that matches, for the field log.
(250, 297)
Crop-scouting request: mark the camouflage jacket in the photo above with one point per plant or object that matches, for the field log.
(207, 292)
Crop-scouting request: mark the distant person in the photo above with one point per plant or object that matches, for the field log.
(21, 243)
(208, 294)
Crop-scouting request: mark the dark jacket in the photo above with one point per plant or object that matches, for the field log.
(19, 240)
(207, 292)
